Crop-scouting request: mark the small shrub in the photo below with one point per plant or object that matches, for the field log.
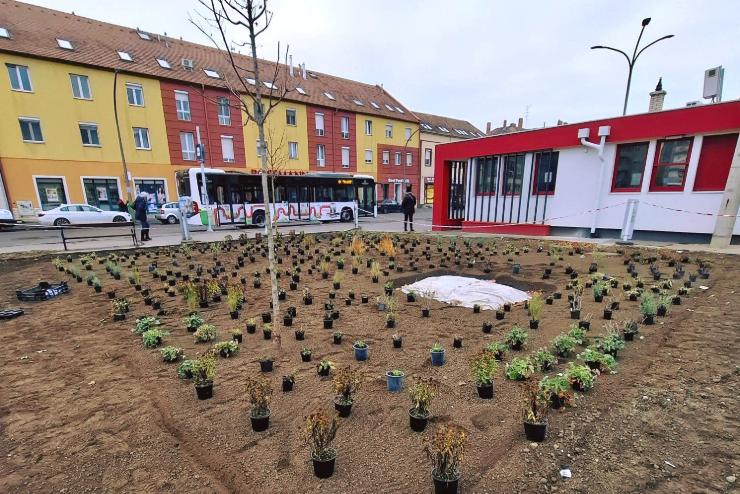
(445, 451)
(319, 433)
(227, 348)
(193, 322)
(563, 344)
(517, 337)
(580, 375)
(153, 337)
(519, 369)
(259, 392)
(498, 349)
(185, 369)
(578, 334)
(536, 304)
(483, 366)
(544, 359)
(557, 387)
(205, 333)
(346, 383)
(648, 306)
(422, 392)
(204, 369)
(171, 353)
(145, 324)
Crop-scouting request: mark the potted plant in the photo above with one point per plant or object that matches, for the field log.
(236, 334)
(288, 382)
(612, 342)
(648, 309)
(300, 334)
(388, 288)
(394, 380)
(266, 364)
(421, 393)
(457, 342)
(205, 333)
(252, 325)
(203, 370)
(482, 366)
(544, 360)
(563, 344)
(557, 390)
(259, 392)
(535, 305)
(390, 319)
(630, 328)
(516, 338)
(171, 353)
(575, 302)
(476, 308)
(445, 451)
(145, 323)
(234, 298)
(397, 340)
(337, 280)
(337, 337)
(267, 331)
(535, 414)
(361, 350)
(519, 369)
(664, 305)
(319, 432)
(346, 383)
(438, 355)
(226, 349)
(185, 369)
(498, 349)
(306, 354)
(324, 367)
(596, 360)
(580, 377)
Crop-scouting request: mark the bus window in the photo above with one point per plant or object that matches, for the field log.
(303, 193)
(323, 193)
(343, 193)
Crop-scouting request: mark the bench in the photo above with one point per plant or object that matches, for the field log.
(130, 231)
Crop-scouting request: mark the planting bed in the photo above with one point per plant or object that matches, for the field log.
(85, 407)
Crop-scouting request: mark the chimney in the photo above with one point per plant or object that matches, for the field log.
(290, 65)
(504, 124)
(488, 128)
(657, 97)
(520, 123)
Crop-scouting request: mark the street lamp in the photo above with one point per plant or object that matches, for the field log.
(403, 159)
(635, 55)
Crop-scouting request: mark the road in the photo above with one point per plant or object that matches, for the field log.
(37, 238)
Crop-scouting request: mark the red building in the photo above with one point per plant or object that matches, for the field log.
(331, 132)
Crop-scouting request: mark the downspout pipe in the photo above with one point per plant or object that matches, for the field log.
(583, 135)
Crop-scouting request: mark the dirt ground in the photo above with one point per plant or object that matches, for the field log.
(84, 407)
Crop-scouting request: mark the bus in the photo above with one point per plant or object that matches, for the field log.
(236, 197)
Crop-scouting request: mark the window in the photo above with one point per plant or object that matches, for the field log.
(4, 33)
(320, 155)
(164, 63)
(444, 129)
(389, 130)
(513, 174)
(358, 102)
(125, 56)
(409, 159)
(224, 111)
(319, 124)
(375, 105)
(329, 95)
(344, 125)
(545, 172)
(486, 181)
(227, 148)
(714, 162)
(407, 133)
(80, 86)
(187, 144)
(65, 44)
(213, 74)
(629, 167)
(398, 158)
(20, 77)
(269, 85)
(157, 189)
(428, 157)
(141, 138)
(671, 161)
(300, 90)
(182, 104)
(368, 127)
(426, 126)
(386, 157)
(293, 150)
(260, 148)
(51, 192)
(290, 117)
(31, 130)
(89, 134)
(398, 109)
(345, 157)
(144, 35)
(390, 108)
(101, 194)
(368, 156)
(135, 94)
(250, 81)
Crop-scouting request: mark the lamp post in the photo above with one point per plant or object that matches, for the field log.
(631, 61)
(403, 159)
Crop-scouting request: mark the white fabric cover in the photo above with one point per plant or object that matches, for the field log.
(466, 292)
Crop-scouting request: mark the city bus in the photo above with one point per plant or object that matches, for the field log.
(236, 197)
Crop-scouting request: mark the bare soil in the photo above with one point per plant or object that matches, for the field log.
(84, 407)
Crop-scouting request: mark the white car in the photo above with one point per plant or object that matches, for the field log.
(6, 218)
(75, 214)
(169, 213)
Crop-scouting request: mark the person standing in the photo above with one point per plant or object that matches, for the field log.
(141, 205)
(409, 206)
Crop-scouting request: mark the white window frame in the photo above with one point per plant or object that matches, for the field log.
(319, 129)
(368, 156)
(407, 133)
(213, 74)
(397, 160)
(428, 157)
(164, 63)
(300, 90)
(142, 131)
(345, 153)
(98, 177)
(386, 157)
(329, 95)
(344, 127)
(224, 118)
(135, 87)
(183, 113)
(292, 150)
(230, 139)
(65, 44)
(320, 155)
(368, 127)
(88, 126)
(17, 69)
(409, 159)
(288, 112)
(125, 56)
(4, 33)
(389, 131)
(36, 186)
(74, 80)
(22, 120)
(187, 154)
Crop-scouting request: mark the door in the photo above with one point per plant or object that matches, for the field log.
(397, 193)
(51, 192)
(366, 198)
(89, 214)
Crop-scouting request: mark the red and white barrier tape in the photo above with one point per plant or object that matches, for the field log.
(690, 212)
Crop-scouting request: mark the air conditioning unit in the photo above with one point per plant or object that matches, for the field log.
(713, 83)
(345, 135)
(188, 64)
(319, 132)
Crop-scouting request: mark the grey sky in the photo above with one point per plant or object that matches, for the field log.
(485, 60)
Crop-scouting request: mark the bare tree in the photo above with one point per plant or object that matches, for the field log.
(250, 18)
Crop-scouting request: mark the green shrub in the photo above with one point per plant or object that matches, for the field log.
(193, 322)
(482, 366)
(205, 333)
(543, 359)
(153, 337)
(517, 336)
(563, 344)
(519, 369)
(185, 369)
(580, 375)
(227, 348)
(145, 324)
(171, 353)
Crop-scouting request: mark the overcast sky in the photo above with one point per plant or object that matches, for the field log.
(485, 60)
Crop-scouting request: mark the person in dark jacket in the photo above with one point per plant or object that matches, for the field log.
(122, 206)
(141, 205)
(409, 206)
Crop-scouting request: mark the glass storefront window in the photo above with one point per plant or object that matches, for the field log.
(51, 192)
(102, 193)
(155, 189)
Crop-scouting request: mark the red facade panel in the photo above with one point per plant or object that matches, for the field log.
(392, 173)
(714, 162)
(204, 111)
(332, 140)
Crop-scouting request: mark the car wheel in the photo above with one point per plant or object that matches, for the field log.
(118, 219)
(258, 218)
(61, 222)
(171, 220)
(346, 215)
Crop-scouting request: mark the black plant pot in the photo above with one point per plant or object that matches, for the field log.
(251, 328)
(287, 385)
(476, 309)
(260, 424)
(266, 317)
(237, 337)
(204, 392)
(305, 357)
(418, 424)
(364, 299)
(485, 392)
(397, 343)
(390, 323)
(457, 343)
(662, 311)
(575, 314)
(584, 325)
(337, 341)
(234, 314)
(267, 335)
(534, 324)
(287, 321)
(535, 432)
(487, 327)
(344, 409)
(499, 315)
(629, 336)
(324, 469)
(424, 312)
(266, 365)
(649, 320)
(445, 486)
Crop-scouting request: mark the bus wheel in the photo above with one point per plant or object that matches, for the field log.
(258, 218)
(346, 215)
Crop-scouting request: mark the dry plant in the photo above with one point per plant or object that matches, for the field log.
(346, 383)
(319, 432)
(446, 450)
(259, 392)
(386, 246)
(357, 247)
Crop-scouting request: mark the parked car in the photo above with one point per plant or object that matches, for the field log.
(388, 206)
(169, 213)
(75, 214)
(6, 218)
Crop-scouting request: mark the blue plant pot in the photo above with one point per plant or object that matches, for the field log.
(361, 353)
(438, 358)
(395, 383)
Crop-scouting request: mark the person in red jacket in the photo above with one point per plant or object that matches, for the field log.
(408, 205)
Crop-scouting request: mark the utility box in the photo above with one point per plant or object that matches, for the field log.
(713, 83)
